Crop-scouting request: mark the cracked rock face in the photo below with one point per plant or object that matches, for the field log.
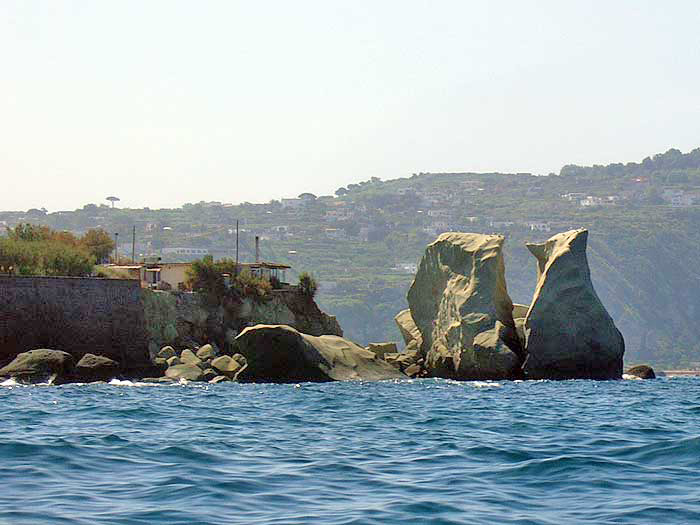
(568, 332)
(460, 305)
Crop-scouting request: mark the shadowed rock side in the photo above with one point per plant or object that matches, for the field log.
(279, 354)
(568, 332)
(461, 307)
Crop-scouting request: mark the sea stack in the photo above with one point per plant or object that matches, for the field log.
(460, 305)
(568, 332)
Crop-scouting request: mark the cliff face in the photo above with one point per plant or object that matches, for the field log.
(183, 319)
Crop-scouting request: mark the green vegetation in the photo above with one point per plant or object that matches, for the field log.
(207, 276)
(360, 245)
(307, 284)
(38, 250)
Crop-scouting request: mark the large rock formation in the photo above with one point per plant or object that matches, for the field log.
(568, 332)
(41, 365)
(279, 353)
(460, 305)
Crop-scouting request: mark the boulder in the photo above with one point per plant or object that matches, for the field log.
(188, 357)
(380, 349)
(166, 352)
(568, 332)
(280, 354)
(174, 360)
(413, 370)
(240, 358)
(209, 374)
(641, 372)
(226, 365)
(409, 330)
(460, 305)
(207, 352)
(92, 368)
(403, 360)
(219, 379)
(160, 362)
(41, 365)
(185, 371)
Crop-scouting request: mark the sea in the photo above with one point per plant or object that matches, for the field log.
(424, 451)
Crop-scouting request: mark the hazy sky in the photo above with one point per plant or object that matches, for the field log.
(166, 102)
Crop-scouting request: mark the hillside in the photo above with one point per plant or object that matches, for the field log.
(363, 243)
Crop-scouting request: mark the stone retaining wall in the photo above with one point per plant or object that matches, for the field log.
(78, 315)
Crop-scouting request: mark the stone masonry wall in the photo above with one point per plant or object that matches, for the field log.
(78, 315)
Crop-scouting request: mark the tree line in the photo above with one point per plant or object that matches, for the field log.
(29, 249)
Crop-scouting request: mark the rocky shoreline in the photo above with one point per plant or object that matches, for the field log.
(461, 324)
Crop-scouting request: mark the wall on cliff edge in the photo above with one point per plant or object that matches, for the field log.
(77, 315)
(184, 319)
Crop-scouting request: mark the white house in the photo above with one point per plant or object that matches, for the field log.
(501, 224)
(292, 203)
(410, 268)
(335, 233)
(539, 226)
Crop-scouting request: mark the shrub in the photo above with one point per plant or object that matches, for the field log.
(307, 284)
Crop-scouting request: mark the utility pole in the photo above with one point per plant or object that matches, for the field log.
(116, 247)
(133, 245)
(236, 246)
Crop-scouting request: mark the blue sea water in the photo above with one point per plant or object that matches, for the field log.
(422, 451)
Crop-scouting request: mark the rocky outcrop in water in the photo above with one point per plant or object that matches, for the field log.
(640, 372)
(41, 365)
(569, 333)
(57, 367)
(468, 328)
(281, 354)
(92, 368)
(460, 305)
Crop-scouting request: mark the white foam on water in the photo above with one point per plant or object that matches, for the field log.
(629, 377)
(485, 384)
(10, 382)
(121, 382)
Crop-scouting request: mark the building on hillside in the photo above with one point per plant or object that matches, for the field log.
(335, 233)
(183, 250)
(155, 274)
(573, 197)
(339, 214)
(677, 198)
(591, 201)
(406, 267)
(539, 226)
(502, 224)
(292, 203)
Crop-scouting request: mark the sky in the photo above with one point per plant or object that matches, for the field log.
(161, 103)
